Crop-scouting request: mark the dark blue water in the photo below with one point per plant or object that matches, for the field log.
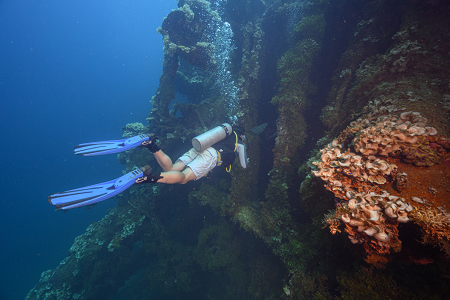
(70, 72)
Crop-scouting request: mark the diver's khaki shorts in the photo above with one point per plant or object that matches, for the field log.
(200, 162)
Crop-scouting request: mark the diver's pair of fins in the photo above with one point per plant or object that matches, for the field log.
(102, 191)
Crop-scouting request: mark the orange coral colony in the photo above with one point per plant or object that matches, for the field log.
(388, 168)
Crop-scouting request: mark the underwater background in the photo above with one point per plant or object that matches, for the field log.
(345, 105)
(71, 72)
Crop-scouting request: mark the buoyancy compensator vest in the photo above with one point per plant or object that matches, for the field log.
(226, 148)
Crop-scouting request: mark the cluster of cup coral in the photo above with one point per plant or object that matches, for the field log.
(395, 135)
(371, 214)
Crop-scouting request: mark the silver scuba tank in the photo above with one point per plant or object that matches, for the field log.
(209, 138)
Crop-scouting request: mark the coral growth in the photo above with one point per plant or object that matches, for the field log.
(435, 224)
(183, 31)
(371, 214)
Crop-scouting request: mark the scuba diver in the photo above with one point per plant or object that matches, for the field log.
(217, 147)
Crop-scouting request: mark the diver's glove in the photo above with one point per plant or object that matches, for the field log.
(151, 143)
(148, 176)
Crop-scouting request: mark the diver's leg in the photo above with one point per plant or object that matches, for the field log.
(166, 163)
(163, 160)
(173, 177)
(178, 166)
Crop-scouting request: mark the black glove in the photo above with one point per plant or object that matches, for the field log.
(151, 143)
(148, 177)
(152, 178)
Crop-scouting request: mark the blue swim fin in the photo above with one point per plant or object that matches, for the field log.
(107, 147)
(94, 193)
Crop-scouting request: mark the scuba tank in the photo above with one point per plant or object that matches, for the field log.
(209, 138)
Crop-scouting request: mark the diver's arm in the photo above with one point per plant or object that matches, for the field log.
(242, 151)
